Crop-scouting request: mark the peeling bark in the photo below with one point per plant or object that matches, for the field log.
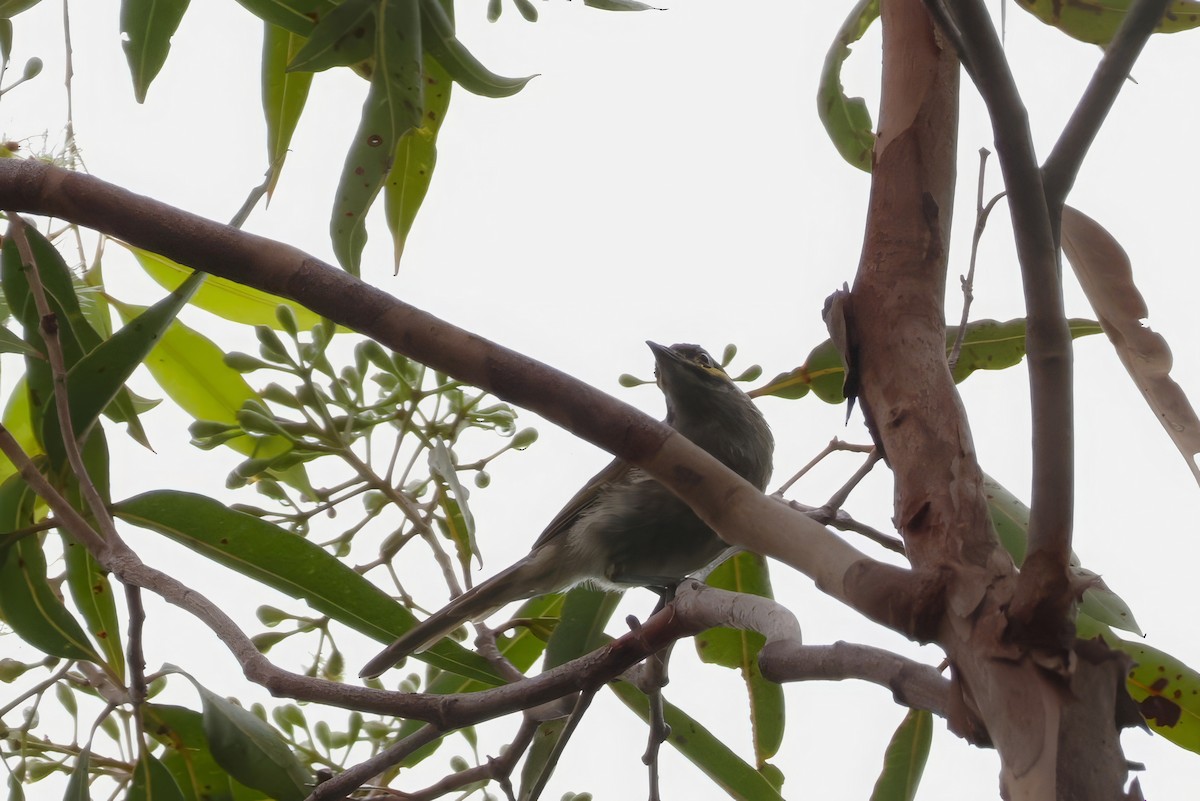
(1050, 716)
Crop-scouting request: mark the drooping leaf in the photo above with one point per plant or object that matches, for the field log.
(95, 380)
(152, 781)
(18, 423)
(222, 297)
(412, 171)
(191, 369)
(187, 755)
(738, 649)
(297, 16)
(704, 750)
(146, 30)
(1106, 275)
(456, 521)
(250, 750)
(1096, 21)
(580, 630)
(77, 783)
(291, 565)
(1010, 517)
(10, 8)
(441, 42)
(283, 95)
(346, 35)
(847, 119)
(621, 5)
(987, 345)
(31, 608)
(905, 758)
(1166, 690)
(393, 107)
(11, 343)
(76, 336)
(87, 581)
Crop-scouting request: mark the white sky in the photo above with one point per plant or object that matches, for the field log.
(666, 178)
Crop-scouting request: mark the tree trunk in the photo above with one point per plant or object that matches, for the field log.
(1051, 718)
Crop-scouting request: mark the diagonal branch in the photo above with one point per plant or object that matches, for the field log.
(1043, 581)
(1064, 161)
(741, 514)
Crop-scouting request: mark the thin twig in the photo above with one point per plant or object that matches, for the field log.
(352, 778)
(494, 769)
(582, 702)
(843, 522)
(58, 367)
(659, 729)
(834, 445)
(968, 283)
(838, 499)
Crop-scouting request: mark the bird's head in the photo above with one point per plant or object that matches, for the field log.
(707, 407)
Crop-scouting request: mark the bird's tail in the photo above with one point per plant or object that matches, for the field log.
(512, 584)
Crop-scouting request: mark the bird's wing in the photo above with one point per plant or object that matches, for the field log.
(613, 474)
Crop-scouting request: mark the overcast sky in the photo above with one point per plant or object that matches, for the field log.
(665, 177)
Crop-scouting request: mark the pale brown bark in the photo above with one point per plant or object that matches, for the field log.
(1030, 703)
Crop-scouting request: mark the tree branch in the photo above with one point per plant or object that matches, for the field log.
(741, 514)
(1062, 165)
(912, 684)
(1042, 590)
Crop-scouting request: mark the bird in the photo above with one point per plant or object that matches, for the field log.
(624, 529)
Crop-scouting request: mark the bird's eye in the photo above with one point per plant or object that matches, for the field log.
(704, 360)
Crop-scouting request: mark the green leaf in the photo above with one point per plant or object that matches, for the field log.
(987, 345)
(15, 791)
(31, 608)
(191, 369)
(727, 770)
(585, 613)
(77, 784)
(905, 758)
(456, 522)
(11, 343)
(442, 44)
(10, 8)
(283, 95)
(187, 755)
(96, 379)
(152, 781)
(736, 648)
(17, 420)
(291, 565)
(1096, 21)
(222, 297)
(393, 107)
(1166, 690)
(146, 30)
(847, 119)
(250, 750)
(580, 630)
(416, 155)
(1010, 517)
(86, 580)
(93, 595)
(346, 35)
(621, 5)
(75, 334)
(297, 16)
(521, 650)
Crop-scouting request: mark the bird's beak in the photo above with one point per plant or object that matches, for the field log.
(662, 352)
